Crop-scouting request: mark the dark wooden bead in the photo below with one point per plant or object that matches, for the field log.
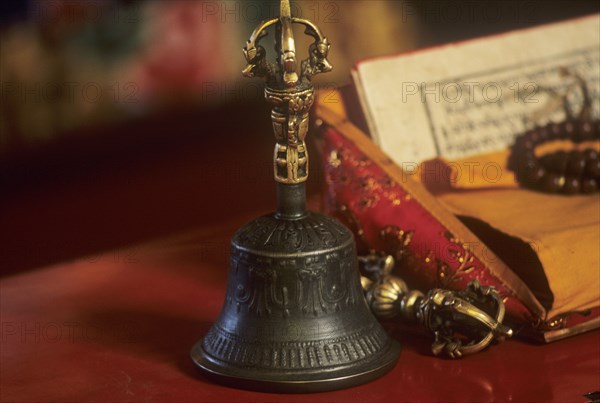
(552, 183)
(560, 160)
(572, 185)
(535, 174)
(530, 171)
(561, 171)
(526, 160)
(586, 129)
(592, 166)
(574, 133)
(534, 136)
(546, 161)
(576, 163)
(590, 153)
(589, 185)
(539, 135)
(569, 128)
(555, 131)
(542, 132)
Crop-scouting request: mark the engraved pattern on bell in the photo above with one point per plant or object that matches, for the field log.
(294, 308)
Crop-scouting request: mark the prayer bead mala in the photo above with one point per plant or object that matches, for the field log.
(567, 172)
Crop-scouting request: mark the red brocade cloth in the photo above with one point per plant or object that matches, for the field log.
(538, 251)
(385, 216)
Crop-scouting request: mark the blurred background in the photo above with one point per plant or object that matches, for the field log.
(68, 64)
(119, 118)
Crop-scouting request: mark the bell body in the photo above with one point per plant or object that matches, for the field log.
(294, 317)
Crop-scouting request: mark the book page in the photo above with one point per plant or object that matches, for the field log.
(566, 245)
(475, 97)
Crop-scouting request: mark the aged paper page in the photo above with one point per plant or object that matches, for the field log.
(474, 97)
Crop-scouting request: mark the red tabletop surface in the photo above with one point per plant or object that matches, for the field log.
(119, 326)
(86, 318)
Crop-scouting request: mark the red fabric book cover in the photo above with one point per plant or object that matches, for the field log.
(388, 211)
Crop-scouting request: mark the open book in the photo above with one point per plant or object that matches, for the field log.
(474, 97)
(540, 250)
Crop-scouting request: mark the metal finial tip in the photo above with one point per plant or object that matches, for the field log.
(287, 72)
(285, 9)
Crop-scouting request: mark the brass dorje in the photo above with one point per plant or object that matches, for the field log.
(294, 317)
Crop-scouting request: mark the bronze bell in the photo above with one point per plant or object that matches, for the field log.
(294, 317)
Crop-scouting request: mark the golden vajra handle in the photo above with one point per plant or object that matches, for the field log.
(462, 322)
(290, 93)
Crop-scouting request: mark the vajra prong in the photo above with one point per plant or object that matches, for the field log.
(288, 88)
(462, 322)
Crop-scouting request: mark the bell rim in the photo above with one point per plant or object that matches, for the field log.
(332, 379)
